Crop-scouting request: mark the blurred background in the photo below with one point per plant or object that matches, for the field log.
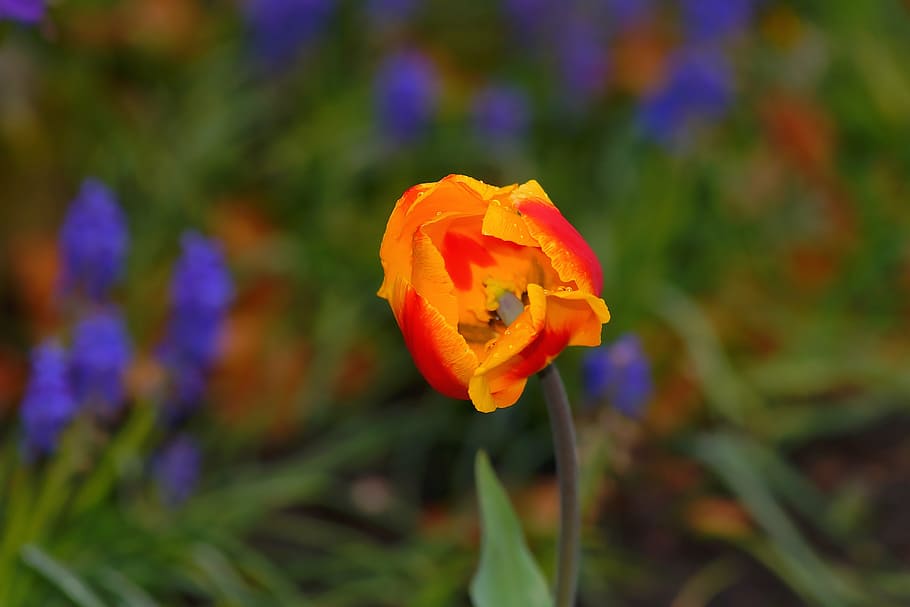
(741, 168)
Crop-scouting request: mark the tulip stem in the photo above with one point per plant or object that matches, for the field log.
(567, 472)
(560, 412)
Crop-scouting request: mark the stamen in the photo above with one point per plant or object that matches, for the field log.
(510, 307)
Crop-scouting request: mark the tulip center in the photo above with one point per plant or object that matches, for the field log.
(510, 308)
(486, 272)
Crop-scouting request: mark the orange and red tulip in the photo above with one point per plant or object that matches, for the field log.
(450, 251)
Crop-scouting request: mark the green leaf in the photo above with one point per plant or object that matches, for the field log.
(507, 575)
(733, 459)
(129, 594)
(60, 576)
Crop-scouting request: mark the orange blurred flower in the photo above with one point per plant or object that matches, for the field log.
(452, 249)
(719, 517)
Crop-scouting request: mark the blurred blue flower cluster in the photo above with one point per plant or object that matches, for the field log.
(201, 291)
(582, 60)
(619, 375)
(713, 20)
(25, 11)
(573, 40)
(698, 89)
(48, 404)
(90, 376)
(407, 90)
(101, 352)
(176, 469)
(93, 242)
(501, 114)
(698, 86)
(626, 14)
(281, 29)
(576, 36)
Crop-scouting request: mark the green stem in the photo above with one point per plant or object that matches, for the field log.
(567, 472)
(560, 412)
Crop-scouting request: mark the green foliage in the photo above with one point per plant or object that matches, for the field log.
(60, 577)
(507, 575)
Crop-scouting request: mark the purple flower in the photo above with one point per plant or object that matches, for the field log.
(532, 19)
(48, 405)
(619, 374)
(176, 469)
(99, 357)
(624, 14)
(709, 20)
(698, 88)
(501, 114)
(281, 29)
(582, 57)
(93, 241)
(26, 11)
(406, 95)
(188, 390)
(201, 291)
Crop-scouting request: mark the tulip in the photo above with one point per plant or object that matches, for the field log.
(453, 251)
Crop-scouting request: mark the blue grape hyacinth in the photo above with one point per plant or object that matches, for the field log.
(100, 354)
(582, 61)
(625, 14)
(201, 292)
(501, 114)
(48, 405)
(711, 20)
(619, 374)
(281, 29)
(93, 242)
(24, 11)
(176, 469)
(698, 89)
(532, 19)
(406, 95)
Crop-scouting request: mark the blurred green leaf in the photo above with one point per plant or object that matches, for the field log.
(129, 594)
(507, 575)
(726, 392)
(221, 577)
(60, 576)
(732, 458)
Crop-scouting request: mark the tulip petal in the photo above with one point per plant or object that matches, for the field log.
(421, 205)
(430, 279)
(580, 314)
(441, 354)
(504, 222)
(475, 187)
(531, 190)
(461, 252)
(570, 255)
(487, 401)
(567, 318)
